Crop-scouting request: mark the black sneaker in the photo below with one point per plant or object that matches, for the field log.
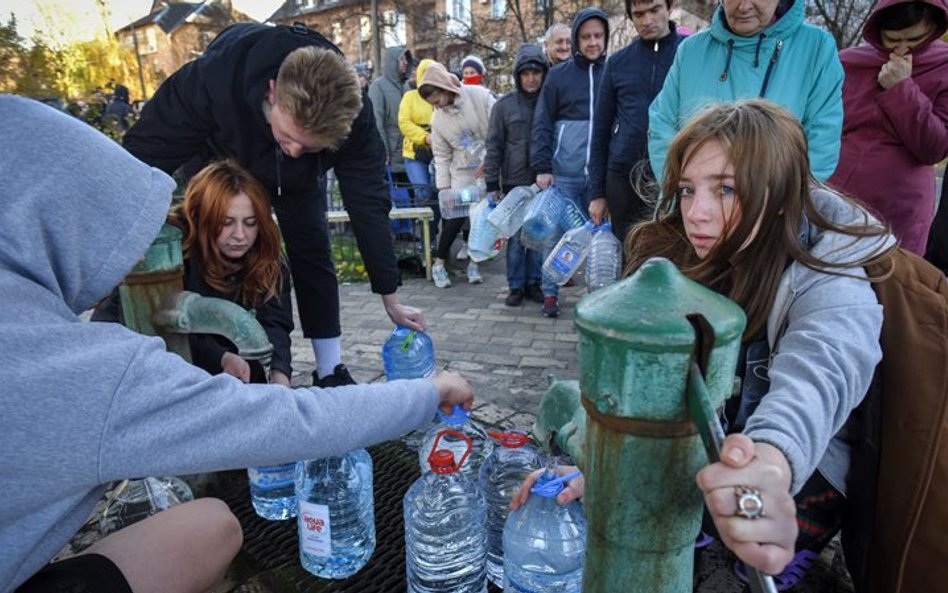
(340, 376)
(515, 298)
(534, 293)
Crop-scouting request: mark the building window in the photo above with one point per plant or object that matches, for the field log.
(542, 6)
(365, 28)
(147, 41)
(498, 9)
(336, 32)
(394, 28)
(459, 16)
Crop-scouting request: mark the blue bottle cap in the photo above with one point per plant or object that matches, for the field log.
(458, 416)
(548, 486)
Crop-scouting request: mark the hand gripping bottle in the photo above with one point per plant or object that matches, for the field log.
(507, 217)
(568, 254)
(456, 203)
(458, 422)
(408, 354)
(483, 237)
(541, 221)
(604, 259)
(444, 515)
(500, 478)
(336, 516)
(544, 542)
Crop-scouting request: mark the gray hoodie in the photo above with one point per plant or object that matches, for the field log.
(86, 403)
(385, 93)
(824, 342)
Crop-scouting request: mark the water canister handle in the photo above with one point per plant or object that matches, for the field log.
(467, 451)
(510, 440)
(406, 343)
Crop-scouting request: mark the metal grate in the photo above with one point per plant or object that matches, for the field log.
(273, 545)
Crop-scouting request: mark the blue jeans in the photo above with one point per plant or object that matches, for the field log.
(524, 265)
(551, 288)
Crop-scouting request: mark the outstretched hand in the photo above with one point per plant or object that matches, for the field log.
(235, 366)
(453, 390)
(767, 542)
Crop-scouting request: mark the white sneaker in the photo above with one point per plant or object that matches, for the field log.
(473, 274)
(440, 277)
(462, 254)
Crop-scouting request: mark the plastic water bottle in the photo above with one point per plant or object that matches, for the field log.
(444, 515)
(507, 217)
(336, 516)
(408, 354)
(544, 542)
(568, 254)
(474, 150)
(604, 259)
(458, 422)
(481, 244)
(272, 491)
(573, 216)
(541, 221)
(134, 500)
(456, 203)
(500, 478)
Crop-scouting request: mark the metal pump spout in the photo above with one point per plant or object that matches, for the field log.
(154, 303)
(191, 313)
(626, 424)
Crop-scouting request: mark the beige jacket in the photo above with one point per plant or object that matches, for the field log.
(462, 123)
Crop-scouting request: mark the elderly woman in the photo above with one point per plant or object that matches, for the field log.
(755, 48)
(896, 126)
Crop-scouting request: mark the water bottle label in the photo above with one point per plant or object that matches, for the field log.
(565, 260)
(272, 477)
(315, 531)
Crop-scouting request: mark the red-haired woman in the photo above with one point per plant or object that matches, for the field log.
(232, 251)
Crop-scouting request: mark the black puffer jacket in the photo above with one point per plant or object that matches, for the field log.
(507, 164)
(212, 107)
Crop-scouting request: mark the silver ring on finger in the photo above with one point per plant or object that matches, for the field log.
(750, 504)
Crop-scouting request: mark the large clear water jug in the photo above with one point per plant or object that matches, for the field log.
(336, 516)
(500, 478)
(544, 542)
(456, 203)
(444, 516)
(272, 491)
(573, 216)
(604, 262)
(482, 242)
(408, 354)
(459, 421)
(541, 222)
(507, 217)
(569, 254)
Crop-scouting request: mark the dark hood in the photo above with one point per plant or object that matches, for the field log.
(581, 17)
(870, 32)
(121, 93)
(529, 54)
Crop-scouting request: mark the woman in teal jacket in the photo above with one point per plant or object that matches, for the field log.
(764, 50)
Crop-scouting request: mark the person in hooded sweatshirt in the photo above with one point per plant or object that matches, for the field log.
(88, 403)
(414, 121)
(507, 164)
(896, 127)
(385, 92)
(458, 126)
(630, 80)
(119, 109)
(283, 102)
(562, 125)
(755, 49)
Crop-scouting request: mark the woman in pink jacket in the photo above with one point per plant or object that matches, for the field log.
(895, 98)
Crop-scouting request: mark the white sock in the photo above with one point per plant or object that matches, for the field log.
(328, 355)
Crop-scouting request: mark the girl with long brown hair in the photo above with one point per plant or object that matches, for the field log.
(232, 250)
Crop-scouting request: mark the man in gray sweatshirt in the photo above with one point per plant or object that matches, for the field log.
(85, 404)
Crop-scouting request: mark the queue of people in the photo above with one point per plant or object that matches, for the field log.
(782, 169)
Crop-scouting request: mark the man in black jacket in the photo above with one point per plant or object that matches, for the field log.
(631, 79)
(283, 102)
(507, 164)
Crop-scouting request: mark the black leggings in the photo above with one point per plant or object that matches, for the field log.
(450, 228)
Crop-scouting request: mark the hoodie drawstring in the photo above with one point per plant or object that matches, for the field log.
(279, 157)
(760, 41)
(727, 62)
(770, 67)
